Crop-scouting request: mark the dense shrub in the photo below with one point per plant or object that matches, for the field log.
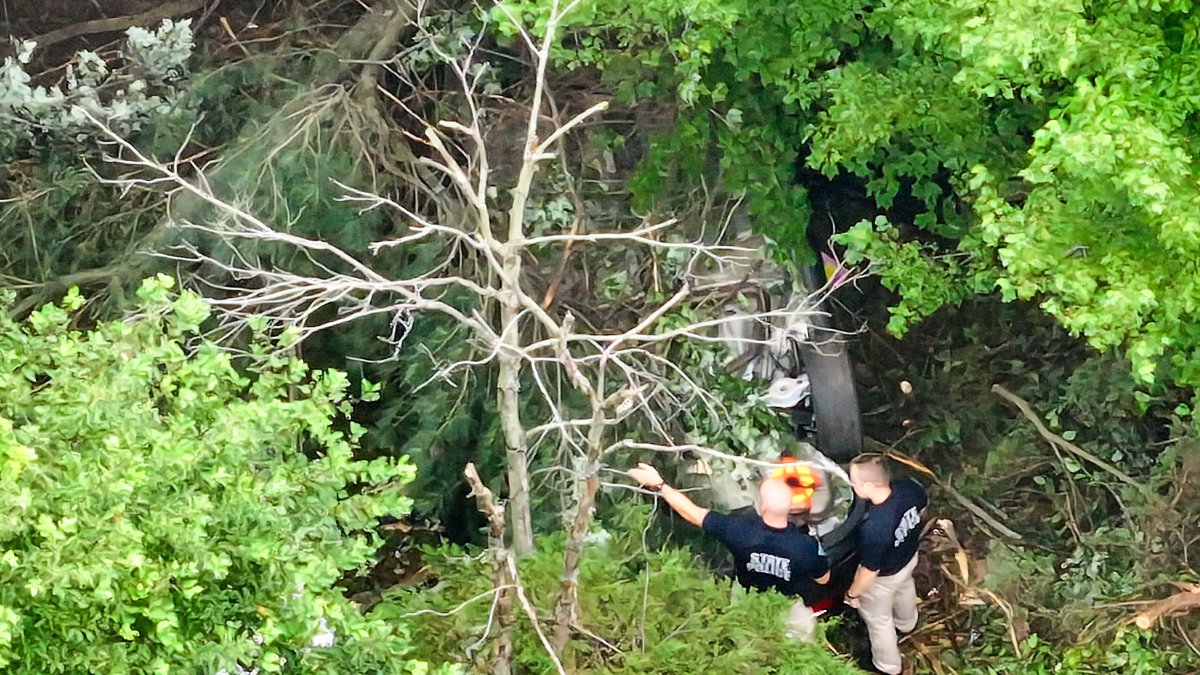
(647, 612)
(165, 511)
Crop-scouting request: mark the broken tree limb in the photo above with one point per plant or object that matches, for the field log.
(1061, 442)
(118, 23)
(502, 583)
(504, 576)
(1179, 603)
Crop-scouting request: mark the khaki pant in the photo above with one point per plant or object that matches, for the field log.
(888, 605)
(801, 623)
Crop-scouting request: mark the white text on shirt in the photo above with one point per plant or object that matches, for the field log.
(770, 564)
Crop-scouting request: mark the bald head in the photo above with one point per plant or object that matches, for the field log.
(776, 498)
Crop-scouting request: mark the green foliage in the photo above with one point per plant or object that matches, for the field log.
(1129, 651)
(926, 279)
(55, 217)
(439, 427)
(742, 101)
(166, 511)
(1050, 144)
(1074, 141)
(656, 611)
(58, 219)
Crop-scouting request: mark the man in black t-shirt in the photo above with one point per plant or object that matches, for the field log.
(883, 589)
(768, 552)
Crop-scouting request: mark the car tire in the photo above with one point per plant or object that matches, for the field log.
(826, 358)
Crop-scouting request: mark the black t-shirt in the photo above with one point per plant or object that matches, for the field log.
(786, 559)
(889, 535)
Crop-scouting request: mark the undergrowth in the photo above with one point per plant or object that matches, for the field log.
(1095, 548)
(642, 611)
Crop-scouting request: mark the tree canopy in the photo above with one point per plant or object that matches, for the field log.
(1048, 147)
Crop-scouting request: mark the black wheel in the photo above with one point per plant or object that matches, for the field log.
(826, 358)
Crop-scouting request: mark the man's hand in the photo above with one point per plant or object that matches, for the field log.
(648, 477)
(645, 475)
(863, 578)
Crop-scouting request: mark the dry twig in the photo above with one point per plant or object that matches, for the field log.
(1059, 441)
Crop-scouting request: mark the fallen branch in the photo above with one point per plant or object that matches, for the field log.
(934, 661)
(971, 593)
(1059, 441)
(1179, 603)
(118, 23)
(1008, 615)
(960, 554)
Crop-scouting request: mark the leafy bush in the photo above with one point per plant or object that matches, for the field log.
(164, 511)
(678, 620)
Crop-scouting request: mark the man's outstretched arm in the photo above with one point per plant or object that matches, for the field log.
(649, 478)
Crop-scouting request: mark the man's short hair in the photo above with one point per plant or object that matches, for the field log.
(872, 469)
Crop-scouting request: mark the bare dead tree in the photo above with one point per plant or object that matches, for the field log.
(622, 375)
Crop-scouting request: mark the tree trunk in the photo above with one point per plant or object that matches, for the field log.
(508, 399)
(566, 609)
(510, 338)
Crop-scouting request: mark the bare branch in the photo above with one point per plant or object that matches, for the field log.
(1061, 442)
(820, 461)
(571, 124)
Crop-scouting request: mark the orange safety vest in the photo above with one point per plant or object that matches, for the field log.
(801, 478)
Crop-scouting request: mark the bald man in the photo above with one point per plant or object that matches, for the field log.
(768, 552)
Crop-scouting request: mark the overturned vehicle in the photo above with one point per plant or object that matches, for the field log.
(803, 365)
